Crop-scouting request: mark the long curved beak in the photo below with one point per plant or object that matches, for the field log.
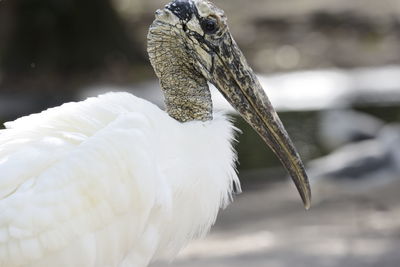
(239, 85)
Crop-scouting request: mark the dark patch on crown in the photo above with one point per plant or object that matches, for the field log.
(183, 9)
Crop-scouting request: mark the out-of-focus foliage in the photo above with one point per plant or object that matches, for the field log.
(49, 44)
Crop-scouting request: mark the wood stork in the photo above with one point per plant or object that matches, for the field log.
(114, 180)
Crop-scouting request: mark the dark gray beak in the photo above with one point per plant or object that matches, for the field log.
(239, 85)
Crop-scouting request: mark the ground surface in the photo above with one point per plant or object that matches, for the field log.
(352, 225)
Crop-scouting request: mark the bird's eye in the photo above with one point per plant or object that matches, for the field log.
(209, 25)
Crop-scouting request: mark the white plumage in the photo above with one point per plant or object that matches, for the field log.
(110, 181)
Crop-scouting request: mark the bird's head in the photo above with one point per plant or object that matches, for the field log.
(189, 43)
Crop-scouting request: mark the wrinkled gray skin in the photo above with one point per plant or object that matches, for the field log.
(185, 54)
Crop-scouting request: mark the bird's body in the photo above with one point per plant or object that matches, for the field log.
(114, 181)
(107, 185)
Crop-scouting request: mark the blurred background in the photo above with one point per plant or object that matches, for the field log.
(331, 68)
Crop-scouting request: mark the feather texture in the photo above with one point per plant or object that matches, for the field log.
(109, 181)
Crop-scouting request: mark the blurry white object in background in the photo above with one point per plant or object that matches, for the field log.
(377, 160)
(324, 89)
(339, 127)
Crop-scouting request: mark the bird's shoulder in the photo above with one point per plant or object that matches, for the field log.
(40, 140)
(85, 115)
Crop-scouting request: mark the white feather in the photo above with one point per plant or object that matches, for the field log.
(110, 181)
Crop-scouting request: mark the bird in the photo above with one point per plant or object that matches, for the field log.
(114, 180)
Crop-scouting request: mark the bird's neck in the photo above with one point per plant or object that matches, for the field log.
(187, 96)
